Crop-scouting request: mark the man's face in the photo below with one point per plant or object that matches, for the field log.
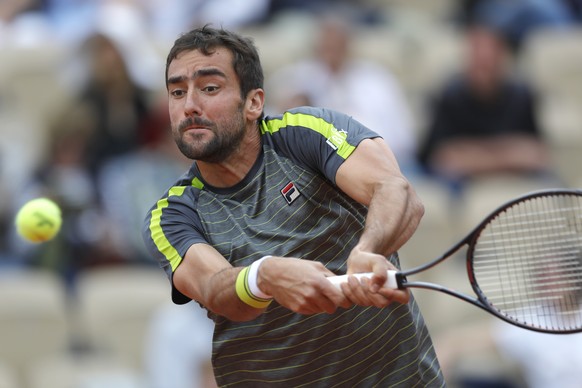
(206, 109)
(486, 60)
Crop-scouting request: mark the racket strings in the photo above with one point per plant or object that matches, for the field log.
(527, 261)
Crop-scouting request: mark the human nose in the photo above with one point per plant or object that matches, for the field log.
(192, 105)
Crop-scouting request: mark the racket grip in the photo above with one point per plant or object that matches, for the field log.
(390, 281)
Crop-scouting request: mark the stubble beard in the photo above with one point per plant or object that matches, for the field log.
(227, 138)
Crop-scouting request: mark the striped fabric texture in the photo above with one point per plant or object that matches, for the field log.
(288, 205)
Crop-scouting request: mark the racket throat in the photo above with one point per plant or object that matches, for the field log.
(401, 280)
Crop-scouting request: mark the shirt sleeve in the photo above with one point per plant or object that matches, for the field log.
(171, 227)
(319, 139)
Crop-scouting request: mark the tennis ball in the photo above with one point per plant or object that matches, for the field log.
(39, 220)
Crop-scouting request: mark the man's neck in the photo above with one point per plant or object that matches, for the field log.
(236, 167)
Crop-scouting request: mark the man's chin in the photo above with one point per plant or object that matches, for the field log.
(202, 155)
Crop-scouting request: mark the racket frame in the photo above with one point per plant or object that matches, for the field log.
(470, 240)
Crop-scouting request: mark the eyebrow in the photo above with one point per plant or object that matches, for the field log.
(197, 74)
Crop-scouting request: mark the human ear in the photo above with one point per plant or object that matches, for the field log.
(255, 103)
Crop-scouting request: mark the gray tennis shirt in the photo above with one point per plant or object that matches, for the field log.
(288, 205)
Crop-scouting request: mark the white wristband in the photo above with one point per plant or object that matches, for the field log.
(252, 279)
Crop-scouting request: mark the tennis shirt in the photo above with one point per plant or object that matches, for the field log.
(289, 205)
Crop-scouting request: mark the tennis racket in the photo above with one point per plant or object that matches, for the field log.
(524, 263)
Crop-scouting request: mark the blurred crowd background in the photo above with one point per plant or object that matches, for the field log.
(481, 101)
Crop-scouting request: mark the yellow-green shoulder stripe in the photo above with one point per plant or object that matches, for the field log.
(317, 124)
(197, 183)
(157, 233)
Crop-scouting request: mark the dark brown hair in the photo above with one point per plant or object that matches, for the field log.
(246, 61)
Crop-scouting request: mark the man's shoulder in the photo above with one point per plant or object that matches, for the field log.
(187, 185)
(304, 116)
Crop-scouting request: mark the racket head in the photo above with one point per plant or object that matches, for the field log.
(524, 261)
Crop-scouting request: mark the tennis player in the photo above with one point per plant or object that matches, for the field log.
(271, 207)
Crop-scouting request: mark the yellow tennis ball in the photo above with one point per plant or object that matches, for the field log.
(38, 220)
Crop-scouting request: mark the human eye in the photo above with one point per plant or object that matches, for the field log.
(177, 93)
(210, 89)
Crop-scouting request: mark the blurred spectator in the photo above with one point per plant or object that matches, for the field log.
(333, 79)
(484, 120)
(108, 120)
(117, 104)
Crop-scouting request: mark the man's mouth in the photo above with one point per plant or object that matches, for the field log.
(193, 126)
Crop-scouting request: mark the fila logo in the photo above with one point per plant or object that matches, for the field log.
(337, 138)
(290, 193)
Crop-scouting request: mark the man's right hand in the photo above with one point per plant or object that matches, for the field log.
(300, 285)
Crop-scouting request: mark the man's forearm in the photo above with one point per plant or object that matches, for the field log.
(214, 288)
(393, 215)
(222, 297)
